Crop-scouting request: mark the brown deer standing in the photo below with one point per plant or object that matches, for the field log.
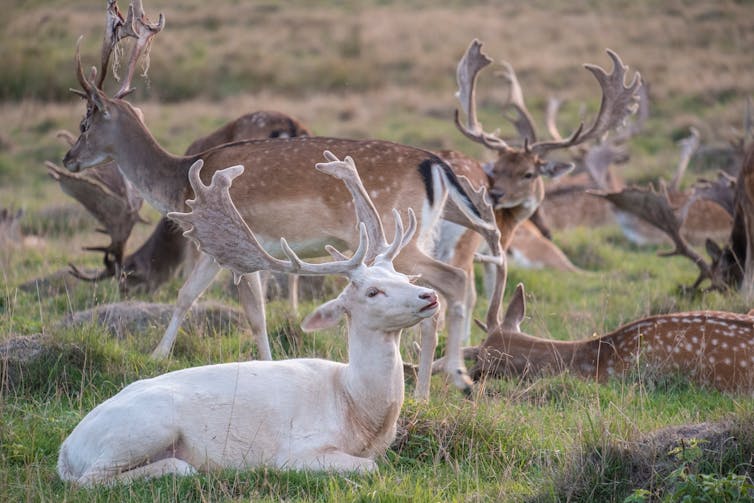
(514, 180)
(714, 348)
(110, 201)
(279, 194)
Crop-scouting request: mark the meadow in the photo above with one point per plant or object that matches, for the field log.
(381, 69)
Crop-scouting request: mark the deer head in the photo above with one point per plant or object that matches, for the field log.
(516, 175)
(100, 121)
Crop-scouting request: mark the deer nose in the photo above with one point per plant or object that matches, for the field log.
(430, 297)
(69, 163)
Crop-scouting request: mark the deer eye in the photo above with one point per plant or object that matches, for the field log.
(372, 292)
(529, 175)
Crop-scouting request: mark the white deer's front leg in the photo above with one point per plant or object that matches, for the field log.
(201, 277)
(335, 461)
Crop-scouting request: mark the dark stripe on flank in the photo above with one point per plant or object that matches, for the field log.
(425, 170)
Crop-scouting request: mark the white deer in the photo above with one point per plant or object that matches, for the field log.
(292, 414)
(279, 194)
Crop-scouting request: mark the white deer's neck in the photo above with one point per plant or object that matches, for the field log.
(373, 385)
(375, 368)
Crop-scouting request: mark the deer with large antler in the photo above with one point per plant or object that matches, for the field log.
(514, 180)
(671, 212)
(714, 348)
(114, 203)
(291, 414)
(280, 195)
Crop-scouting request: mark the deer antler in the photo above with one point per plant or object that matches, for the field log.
(219, 230)
(366, 213)
(618, 102)
(523, 121)
(688, 146)
(653, 206)
(136, 25)
(111, 200)
(468, 68)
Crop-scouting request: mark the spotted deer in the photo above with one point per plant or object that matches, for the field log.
(115, 204)
(279, 195)
(514, 180)
(308, 414)
(714, 348)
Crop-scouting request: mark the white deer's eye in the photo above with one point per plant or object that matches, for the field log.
(371, 292)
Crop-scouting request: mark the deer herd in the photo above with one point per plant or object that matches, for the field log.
(260, 194)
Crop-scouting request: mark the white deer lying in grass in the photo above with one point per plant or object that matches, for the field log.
(294, 414)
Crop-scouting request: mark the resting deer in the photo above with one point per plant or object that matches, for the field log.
(669, 212)
(292, 414)
(514, 180)
(714, 348)
(280, 195)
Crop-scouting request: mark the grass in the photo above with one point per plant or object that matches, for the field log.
(377, 69)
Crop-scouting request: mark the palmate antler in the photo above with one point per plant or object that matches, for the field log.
(218, 229)
(654, 207)
(112, 201)
(618, 102)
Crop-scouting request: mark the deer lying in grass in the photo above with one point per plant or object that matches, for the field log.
(669, 214)
(292, 414)
(280, 195)
(714, 348)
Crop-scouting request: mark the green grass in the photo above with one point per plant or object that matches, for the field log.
(366, 70)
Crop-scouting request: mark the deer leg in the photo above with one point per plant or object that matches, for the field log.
(428, 330)
(471, 298)
(337, 461)
(451, 283)
(293, 292)
(252, 300)
(201, 277)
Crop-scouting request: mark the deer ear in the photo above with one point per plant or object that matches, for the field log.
(516, 311)
(555, 169)
(325, 316)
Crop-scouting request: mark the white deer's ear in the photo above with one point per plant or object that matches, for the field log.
(325, 316)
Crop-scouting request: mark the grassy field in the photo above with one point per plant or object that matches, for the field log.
(380, 69)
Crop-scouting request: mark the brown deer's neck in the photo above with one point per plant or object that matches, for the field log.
(508, 219)
(161, 178)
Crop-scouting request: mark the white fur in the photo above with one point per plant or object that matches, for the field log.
(292, 414)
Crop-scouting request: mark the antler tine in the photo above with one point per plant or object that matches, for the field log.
(137, 25)
(215, 225)
(113, 23)
(83, 81)
(66, 136)
(688, 146)
(523, 122)
(618, 102)
(468, 68)
(553, 107)
(366, 213)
